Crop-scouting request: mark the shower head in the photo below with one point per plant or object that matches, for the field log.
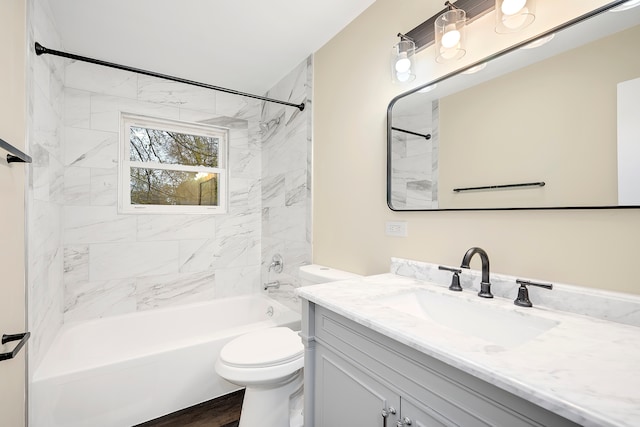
(267, 126)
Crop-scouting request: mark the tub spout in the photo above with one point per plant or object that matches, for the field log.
(275, 285)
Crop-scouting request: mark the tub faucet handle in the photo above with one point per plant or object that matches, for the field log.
(277, 263)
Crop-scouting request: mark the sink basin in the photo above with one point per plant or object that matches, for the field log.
(481, 319)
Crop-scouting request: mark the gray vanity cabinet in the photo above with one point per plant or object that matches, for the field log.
(353, 374)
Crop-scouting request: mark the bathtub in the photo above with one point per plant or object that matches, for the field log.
(124, 370)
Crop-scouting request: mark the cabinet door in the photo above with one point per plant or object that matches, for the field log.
(346, 396)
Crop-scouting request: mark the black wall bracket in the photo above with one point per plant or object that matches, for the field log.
(15, 155)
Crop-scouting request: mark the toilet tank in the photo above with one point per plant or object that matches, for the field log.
(313, 274)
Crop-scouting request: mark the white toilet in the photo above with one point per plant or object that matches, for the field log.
(269, 364)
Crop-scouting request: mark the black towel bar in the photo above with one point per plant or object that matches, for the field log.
(499, 187)
(15, 337)
(15, 155)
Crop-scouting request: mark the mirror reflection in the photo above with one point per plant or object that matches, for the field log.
(555, 126)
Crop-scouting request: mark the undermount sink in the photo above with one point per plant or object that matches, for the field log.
(481, 318)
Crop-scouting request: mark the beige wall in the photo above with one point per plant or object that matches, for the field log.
(12, 130)
(560, 128)
(595, 248)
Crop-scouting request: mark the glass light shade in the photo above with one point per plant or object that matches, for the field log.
(626, 6)
(514, 15)
(450, 35)
(402, 66)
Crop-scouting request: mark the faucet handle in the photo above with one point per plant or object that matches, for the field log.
(522, 299)
(455, 280)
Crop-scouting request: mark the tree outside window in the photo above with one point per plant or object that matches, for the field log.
(172, 166)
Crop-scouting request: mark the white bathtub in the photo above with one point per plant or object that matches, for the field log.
(124, 370)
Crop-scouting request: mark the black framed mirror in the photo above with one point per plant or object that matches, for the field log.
(556, 126)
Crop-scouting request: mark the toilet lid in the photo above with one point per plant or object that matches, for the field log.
(267, 347)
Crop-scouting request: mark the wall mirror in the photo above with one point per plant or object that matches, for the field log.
(557, 126)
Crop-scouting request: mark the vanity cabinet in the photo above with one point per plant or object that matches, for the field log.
(353, 374)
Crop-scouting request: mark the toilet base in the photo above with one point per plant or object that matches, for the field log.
(271, 406)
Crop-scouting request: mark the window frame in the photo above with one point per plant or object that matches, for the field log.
(127, 121)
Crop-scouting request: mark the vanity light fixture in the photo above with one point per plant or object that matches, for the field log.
(402, 66)
(514, 15)
(626, 6)
(450, 34)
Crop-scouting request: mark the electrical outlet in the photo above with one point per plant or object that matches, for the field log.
(396, 228)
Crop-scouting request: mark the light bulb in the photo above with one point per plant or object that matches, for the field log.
(511, 7)
(403, 64)
(451, 37)
(403, 77)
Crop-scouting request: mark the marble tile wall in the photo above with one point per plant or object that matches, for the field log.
(286, 181)
(45, 177)
(118, 263)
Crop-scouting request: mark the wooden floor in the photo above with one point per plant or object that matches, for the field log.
(221, 412)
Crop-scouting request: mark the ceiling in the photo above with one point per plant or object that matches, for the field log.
(246, 45)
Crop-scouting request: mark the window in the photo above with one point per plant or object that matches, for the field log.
(172, 167)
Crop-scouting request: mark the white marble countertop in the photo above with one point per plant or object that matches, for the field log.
(584, 369)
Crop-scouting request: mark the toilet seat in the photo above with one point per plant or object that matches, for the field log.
(261, 349)
(269, 356)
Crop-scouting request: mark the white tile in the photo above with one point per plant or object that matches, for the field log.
(244, 163)
(127, 260)
(76, 264)
(296, 187)
(77, 186)
(273, 191)
(46, 123)
(105, 111)
(104, 187)
(174, 289)
(230, 105)
(159, 91)
(77, 108)
(288, 223)
(91, 300)
(231, 282)
(95, 224)
(197, 255)
(95, 78)
(90, 148)
(175, 227)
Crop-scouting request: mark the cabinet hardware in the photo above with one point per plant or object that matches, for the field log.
(385, 414)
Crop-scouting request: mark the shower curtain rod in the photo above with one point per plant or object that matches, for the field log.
(43, 50)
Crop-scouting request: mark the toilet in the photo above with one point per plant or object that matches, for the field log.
(269, 362)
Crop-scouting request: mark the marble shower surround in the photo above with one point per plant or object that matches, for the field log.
(44, 197)
(121, 263)
(286, 181)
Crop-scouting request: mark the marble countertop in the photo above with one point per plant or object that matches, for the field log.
(584, 369)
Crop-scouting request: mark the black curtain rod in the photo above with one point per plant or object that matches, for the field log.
(42, 50)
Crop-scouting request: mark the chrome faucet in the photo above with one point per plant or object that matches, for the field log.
(275, 285)
(485, 285)
(277, 264)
